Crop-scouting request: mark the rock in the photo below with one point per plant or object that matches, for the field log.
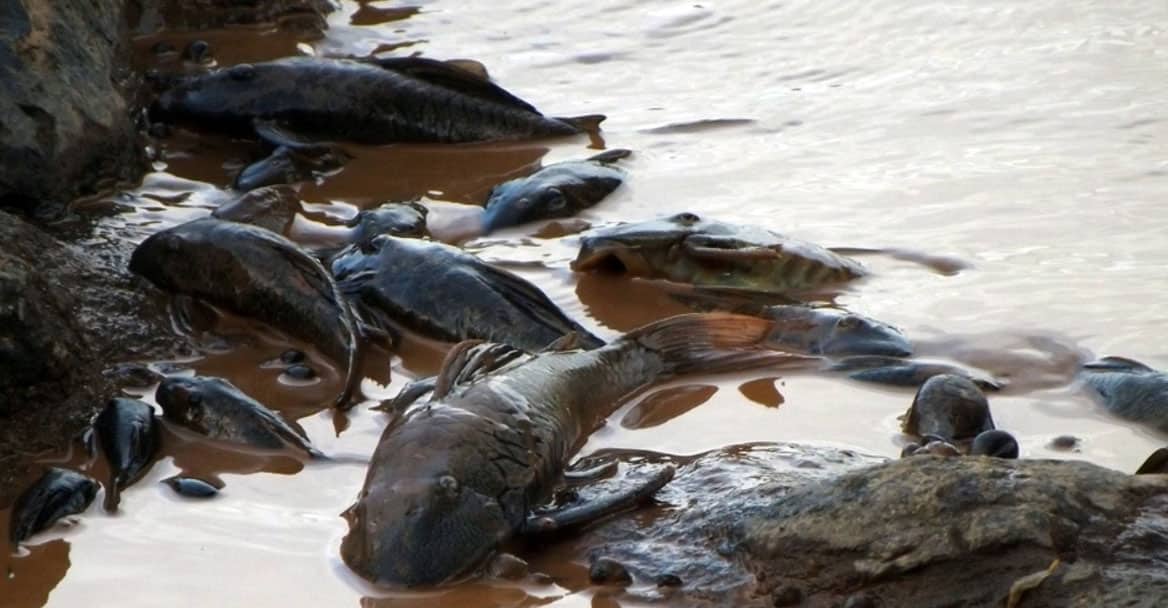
(207, 14)
(949, 407)
(66, 315)
(962, 531)
(780, 525)
(65, 127)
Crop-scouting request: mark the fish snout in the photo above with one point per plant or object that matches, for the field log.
(176, 396)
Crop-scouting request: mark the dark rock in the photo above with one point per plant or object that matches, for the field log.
(65, 127)
(300, 372)
(786, 596)
(1064, 442)
(68, 317)
(605, 571)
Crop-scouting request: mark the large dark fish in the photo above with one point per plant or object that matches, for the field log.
(379, 101)
(688, 249)
(1130, 389)
(216, 409)
(455, 476)
(259, 274)
(128, 433)
(58, 493)
(558, 190)
(445, 293)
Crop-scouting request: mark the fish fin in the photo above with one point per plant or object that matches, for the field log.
(1117, 364)
(588, 123)
(283, 136)
(469, 65)
(409, 394)
(456, 77)
(469, 361)
(113, 495)
(528, 297)
(568, 341)
(578, 515)
(611, 156)
(1156, 464)
(711, 342)
(727, 249)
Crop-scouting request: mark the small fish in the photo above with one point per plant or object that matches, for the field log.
(686, 248)
(456, 476)
(447, 294)
(191, 487)
(555, 191)
(128, 433)
(1129, 389)
(259, 274)
(216, 409)
(372, 101)
(58, 493)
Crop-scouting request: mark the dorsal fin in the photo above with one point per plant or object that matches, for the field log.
(568, 341)
(457, 77)
(611, 156)
(470, 360)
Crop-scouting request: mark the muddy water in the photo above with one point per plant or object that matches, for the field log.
(1029, 139)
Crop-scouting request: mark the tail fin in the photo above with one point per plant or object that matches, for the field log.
(711, 342)
(589, 123)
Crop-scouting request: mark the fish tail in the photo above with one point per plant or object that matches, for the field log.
(113, 496)
(588, 123)
(711, 342)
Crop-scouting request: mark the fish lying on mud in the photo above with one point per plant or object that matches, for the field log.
(558, 190)
(258, 274)
(129, 437)
(447, 294)
(299, 100)
(1129, 389)
(58, 493)
(455, 476)
(216, 409)
(686, 248)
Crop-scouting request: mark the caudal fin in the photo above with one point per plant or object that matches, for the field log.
(589, 123)
(711, 342)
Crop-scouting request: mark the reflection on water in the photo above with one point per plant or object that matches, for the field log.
(1017, 149)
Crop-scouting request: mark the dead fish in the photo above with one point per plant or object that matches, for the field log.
(406, 219)
(259, 274)
(898, 371)
(58, 493)
(1129, 389)
(447, 294)
(128, 433)
(271, 207)
(686, 248)
(191, 487)
(951, 408)
(454, 477)
(832, 332)
(555, 191)
(216, 409)
(374, 101)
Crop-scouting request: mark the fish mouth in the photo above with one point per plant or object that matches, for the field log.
(611, 258)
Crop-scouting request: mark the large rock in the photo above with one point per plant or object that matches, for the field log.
(68, 315)
(65, 128)
(800, 526)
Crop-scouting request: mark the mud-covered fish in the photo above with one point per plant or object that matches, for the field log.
(1129, 389)
(832, 332)
(445, 293)
(688, 249)
(216, 409)
(454, 477)
(129, 437)
(949, 407)
(376, 101)
(259, 274)
(58, 493)
(559, 190)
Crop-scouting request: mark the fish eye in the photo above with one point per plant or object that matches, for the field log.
(848, 322)
(242, 72)
(448, 486)
(556, 200)
(687, 218)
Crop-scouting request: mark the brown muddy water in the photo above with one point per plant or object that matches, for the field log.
(1029, 139)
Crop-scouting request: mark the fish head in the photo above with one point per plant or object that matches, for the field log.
(561, 190)
(201, 403)
(175, 257)
(397, 219)
(852, 334)
(631, 248)
(225, 99)
(422, 531)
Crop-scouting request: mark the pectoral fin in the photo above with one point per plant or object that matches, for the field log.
(578, 515)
